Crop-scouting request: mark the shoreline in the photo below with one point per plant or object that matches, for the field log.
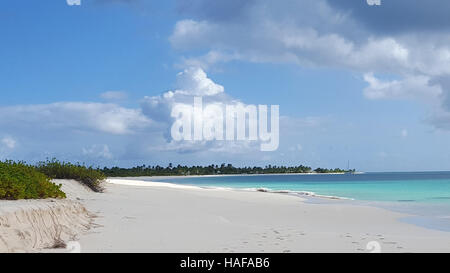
(409, 216)
(157, 218)
(422, 214)
(147, 183)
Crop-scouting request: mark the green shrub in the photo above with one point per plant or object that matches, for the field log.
(21, 181)
(63, 170)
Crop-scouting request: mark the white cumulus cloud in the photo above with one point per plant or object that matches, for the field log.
(410, 87)
(83, 116)
(190, 83)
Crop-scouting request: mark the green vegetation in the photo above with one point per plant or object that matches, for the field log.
(21, 181)
(337, 170)
(63, 170)
(208, 170)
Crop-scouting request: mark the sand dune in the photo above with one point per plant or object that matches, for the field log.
(39, 225)
(29, 226)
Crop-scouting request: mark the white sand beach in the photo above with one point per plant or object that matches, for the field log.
(133, 216)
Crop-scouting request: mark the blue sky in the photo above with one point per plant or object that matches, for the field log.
(87, 83)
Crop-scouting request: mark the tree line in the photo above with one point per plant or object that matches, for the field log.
(212, 169)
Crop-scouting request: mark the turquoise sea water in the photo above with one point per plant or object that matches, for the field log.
(426, 195)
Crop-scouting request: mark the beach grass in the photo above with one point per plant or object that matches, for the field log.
(88, 176)
(21, 181)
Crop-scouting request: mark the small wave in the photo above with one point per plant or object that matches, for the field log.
(301, 193)
(215, 188)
